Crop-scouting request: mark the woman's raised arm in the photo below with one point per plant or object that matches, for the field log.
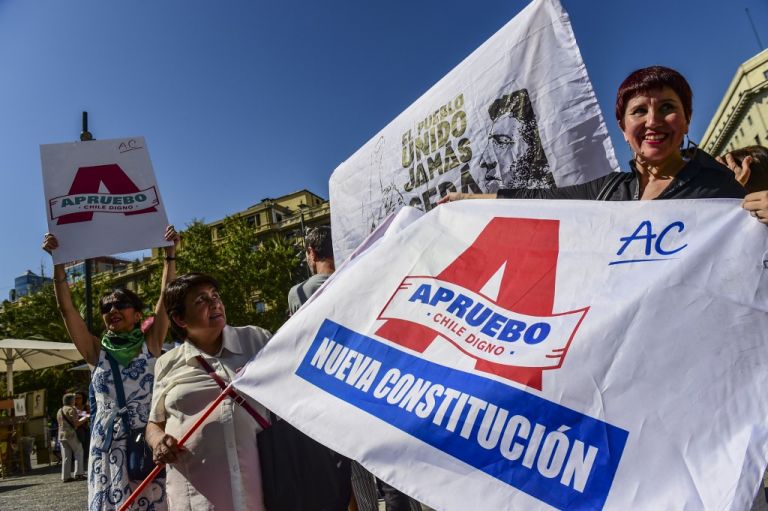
(156, 333)
(86, 343)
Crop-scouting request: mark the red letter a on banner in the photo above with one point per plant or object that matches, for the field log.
(88, 179)
(529, 247)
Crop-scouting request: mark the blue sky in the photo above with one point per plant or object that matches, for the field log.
(243, 99)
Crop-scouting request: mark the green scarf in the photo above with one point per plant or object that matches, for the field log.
(123, 346)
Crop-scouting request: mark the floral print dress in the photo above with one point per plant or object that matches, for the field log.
(108, 482)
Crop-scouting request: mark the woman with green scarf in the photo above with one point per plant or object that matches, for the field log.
(133, 353)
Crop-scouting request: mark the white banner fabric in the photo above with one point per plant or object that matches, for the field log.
(101, 198)
(518, 112)
(541, 354)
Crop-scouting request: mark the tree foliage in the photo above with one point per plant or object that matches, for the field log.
(255, 274)
(36, 316)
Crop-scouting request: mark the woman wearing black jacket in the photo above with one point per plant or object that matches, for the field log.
(653, 109)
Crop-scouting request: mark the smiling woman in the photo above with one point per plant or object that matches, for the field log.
(132, 352)
(653, 109)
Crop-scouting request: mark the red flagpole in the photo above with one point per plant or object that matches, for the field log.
(186, 436)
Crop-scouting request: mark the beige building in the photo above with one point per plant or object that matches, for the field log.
(283, 215)
(742, 117)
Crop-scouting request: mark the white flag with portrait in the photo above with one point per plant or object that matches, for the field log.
(518, 112)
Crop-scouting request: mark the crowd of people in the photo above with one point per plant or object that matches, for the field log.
(137, 388)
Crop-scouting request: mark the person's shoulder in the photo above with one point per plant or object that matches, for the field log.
(251, 338)
(293, 293)
(313, 283)
(251, 332)
(320, 277)
(718, 176)
(169, 359)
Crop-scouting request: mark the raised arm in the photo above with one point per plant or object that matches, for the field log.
(156, 333)
(86, 343)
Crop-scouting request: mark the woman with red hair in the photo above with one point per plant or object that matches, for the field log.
(653, 109)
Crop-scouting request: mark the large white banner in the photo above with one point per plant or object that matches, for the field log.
(101, 198)
(518, 112)
(542, 354)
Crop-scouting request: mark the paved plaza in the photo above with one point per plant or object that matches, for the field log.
(41, 489)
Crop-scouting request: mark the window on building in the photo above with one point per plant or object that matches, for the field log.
(741, 132)
(278, 217)
(260, 307)
(749, 120)
(757, 139)
(765, 74)
(250, 220)
(221, 231)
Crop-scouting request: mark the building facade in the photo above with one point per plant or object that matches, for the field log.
(26, 284)
(742, 117)
(76, 269)
(288, 216)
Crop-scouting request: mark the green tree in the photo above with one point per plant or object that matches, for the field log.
(254, 274)
(36, 316)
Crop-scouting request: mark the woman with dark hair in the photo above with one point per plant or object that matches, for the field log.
(653, 109)
(219, 467)
(133, 352)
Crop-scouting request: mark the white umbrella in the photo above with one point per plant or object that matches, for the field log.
(26, 354)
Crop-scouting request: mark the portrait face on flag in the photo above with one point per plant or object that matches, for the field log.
(513, 156)
(500, 118)
(101, 198)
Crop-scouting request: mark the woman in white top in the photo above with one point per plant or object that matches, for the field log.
(70, 445)
(134, 350)
(218, 467)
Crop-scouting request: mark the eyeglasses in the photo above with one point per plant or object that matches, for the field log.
(119, 305)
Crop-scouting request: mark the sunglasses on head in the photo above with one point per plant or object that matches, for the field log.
(119, 305)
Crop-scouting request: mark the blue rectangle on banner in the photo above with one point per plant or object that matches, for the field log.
(555, 454)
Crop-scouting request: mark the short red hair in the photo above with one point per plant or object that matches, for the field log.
(652, 79)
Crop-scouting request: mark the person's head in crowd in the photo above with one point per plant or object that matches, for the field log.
(68, 399)
(121, 310)
(320, 250)
(653, 108)
(81, 400)
(750, 165)
(195, 308)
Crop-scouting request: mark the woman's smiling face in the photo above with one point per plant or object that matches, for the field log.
(119, 315)
(654, 125)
